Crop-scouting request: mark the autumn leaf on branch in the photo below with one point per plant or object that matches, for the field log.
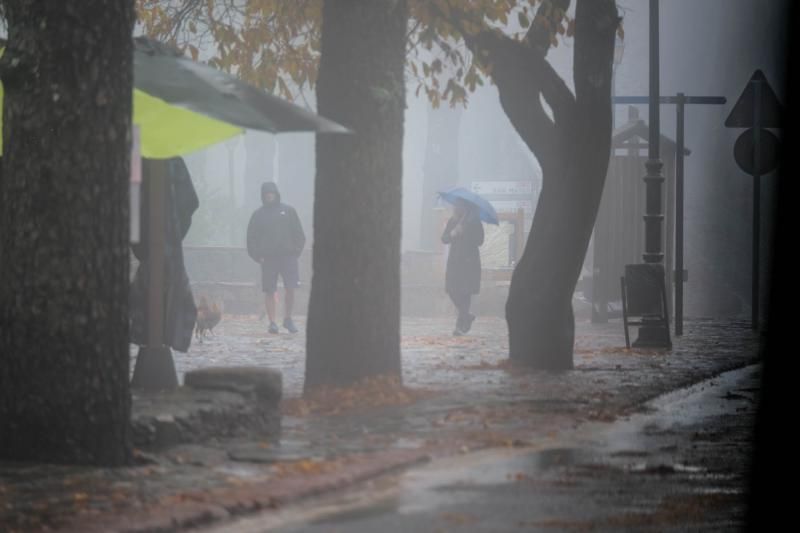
(275, 45)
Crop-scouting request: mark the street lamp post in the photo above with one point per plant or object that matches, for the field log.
(652, 333)
(654, 179)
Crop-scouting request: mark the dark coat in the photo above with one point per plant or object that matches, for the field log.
(463, 274)
(274, 229)
(180, 310)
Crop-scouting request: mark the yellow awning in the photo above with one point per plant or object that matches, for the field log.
(168, 130)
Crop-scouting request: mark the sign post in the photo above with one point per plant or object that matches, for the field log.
(136, 184)
(155, 368)
(680, 101)
(756, 153)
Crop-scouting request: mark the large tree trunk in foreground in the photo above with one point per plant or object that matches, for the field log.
(64, 363)
(354, 310)
(573, 149)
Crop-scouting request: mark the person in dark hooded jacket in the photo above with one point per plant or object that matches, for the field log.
(464, 234)
(275, 240)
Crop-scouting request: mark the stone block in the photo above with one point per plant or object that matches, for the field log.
(264, 384)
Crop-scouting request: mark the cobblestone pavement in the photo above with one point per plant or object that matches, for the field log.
(476, 402)
(433, 359)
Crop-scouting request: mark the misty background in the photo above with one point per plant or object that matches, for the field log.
(708, 48)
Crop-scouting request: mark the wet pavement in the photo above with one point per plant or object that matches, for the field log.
(460, 397)
(474, 394)
(432, 359)
(680, 465)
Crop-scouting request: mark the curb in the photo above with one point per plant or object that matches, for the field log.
(210, 506)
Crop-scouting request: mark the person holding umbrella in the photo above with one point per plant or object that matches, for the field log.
(464, 234)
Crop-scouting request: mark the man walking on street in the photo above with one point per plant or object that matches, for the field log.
(275, 239)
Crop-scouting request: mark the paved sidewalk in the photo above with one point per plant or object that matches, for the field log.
(472, 401)
(680, 466)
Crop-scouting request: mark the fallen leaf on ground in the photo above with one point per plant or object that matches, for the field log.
(379, 391)
(304, 467)
(458, 518)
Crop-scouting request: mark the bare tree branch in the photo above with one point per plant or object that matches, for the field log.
(521, 74)
(180, 16)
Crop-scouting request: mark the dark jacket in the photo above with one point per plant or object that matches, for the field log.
(463, 274)
(274, 229)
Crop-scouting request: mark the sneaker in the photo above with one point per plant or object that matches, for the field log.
(289, 325)
(273, 328)
(458, 333)
(468, 323)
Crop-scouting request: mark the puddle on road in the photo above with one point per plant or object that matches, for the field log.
(674, 468)
(408, 443)
(452, 481)
(640, 445)
(449, 482)
(241, 470)
(664, 417)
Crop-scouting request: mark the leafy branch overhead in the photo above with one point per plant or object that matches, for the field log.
(275, 44)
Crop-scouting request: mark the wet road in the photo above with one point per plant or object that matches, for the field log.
(541, 468)
(680, 465)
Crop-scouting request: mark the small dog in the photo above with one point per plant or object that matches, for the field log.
(207, 318)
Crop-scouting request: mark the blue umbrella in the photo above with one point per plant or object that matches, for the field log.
(485, 209)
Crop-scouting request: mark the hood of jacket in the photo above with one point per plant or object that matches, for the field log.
(267, 187)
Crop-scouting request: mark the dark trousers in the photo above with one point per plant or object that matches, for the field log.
(462, 301)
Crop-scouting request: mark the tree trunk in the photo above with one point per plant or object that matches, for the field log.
(539, 313)
(572, 145)
(64, 259)
(354, 309)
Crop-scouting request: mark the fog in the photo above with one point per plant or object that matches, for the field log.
(708, 48)
(254, 279)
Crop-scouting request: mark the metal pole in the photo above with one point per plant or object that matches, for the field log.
(653, 333)
(654, 217)
(681, 100)
(679, 140)
(756, 199)
(155, 368)
(156, 244)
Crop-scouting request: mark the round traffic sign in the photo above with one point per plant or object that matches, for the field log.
(745, 154)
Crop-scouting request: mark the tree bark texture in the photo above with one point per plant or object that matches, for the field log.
(64, 363)
(354, 308)
(572, 145)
